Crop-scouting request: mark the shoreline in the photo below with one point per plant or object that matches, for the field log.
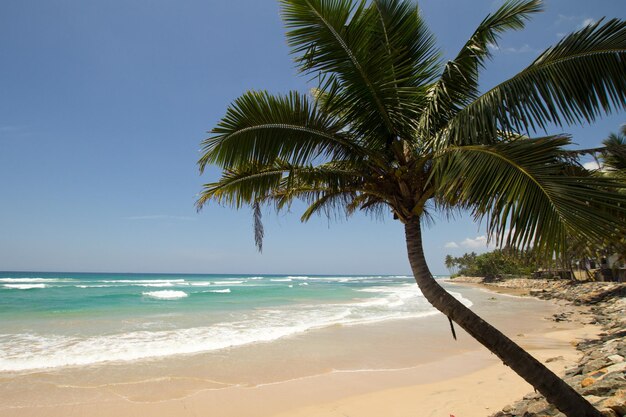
(479, 393)
(454, 377)
(600, 373)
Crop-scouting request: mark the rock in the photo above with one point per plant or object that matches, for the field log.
(587, 382)
(533, 396)
(617, 403)
(557, 358)
(594, 399)
(538, 407)
(618, 367)
(577, 370)
(607, 412)
(600, 388)
(594, 365)
(615, 378)
(598, 374)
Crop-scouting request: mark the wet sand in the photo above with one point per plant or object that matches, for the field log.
(393, 368)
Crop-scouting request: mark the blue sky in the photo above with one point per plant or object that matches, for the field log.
(103, 105)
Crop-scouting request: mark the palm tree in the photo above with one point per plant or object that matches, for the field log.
(613, 156)
(390, 128)
(450, 263)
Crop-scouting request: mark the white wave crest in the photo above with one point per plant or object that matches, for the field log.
(143, 281)
(24, 286)
(21, 351)
(26, 280)
(166, 294)
(156, 285)
(95, 286)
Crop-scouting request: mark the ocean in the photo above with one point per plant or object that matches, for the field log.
(55, 320)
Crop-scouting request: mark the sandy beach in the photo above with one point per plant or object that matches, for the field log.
(394, 368)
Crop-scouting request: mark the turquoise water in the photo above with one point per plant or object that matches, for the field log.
(50, 320)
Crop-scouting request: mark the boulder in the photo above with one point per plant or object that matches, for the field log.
(607, 412)
(617, 402)
(601, 388)
(587, 382)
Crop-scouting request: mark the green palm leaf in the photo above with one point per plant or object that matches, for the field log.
(529, 193)
(458, 85)
(252, 183)
(575, 81)
(262, 127)
(376, 57)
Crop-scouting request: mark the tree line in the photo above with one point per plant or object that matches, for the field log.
(494, 263)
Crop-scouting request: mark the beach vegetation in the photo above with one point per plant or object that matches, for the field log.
(390, 128)
(499, 262)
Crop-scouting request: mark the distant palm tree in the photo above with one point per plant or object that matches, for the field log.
(391, 128)
(450, 263)
(613, 155)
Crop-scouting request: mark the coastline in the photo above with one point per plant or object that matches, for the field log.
(600, 373)
(417, 368)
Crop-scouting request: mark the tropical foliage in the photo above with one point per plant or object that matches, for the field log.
(494, 263)
(391, 128)
(613, 155)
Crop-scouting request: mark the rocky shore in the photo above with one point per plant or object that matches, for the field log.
(600, 373)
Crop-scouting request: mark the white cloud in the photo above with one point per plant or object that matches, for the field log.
(586, 22)
(574, 22)
(524, 49)
(476, 243)
(580, 21)
(593, 165)
(479, 243)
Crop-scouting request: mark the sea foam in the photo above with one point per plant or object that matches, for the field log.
(25, 280)
(24, 286)
(20, 352)
(166, 294)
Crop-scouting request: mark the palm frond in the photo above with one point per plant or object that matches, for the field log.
(376, 55)
(458, 85)
(528, 193)
(259, 233)
(331, 37)
(262, 127)
(614, 153)
(280, 181)
(328, 203)
(575, 81)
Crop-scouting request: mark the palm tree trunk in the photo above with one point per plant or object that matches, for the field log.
(555, 390)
